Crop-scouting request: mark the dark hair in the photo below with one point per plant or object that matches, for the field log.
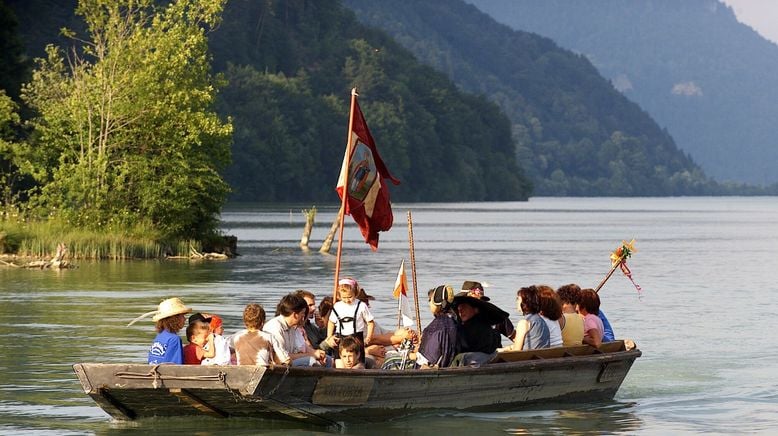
(350, 343)
(254, 316)
(325, 307)
(292, 303)
(550, 305)
(305, 294)
(569, 293)
(196, 327)
(173, 324)
(589, 301)
(530, 299)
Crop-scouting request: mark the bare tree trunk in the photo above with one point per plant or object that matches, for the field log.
(327, 244)
(310, 216)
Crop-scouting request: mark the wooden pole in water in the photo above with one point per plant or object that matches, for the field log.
(346, 162)
(413, 271)
(310, 216)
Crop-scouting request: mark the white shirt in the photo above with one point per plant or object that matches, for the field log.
(222, 356)
(363, 316)
(285, 336)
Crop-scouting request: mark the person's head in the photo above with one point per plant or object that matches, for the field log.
(440, 299)
(197, 331)
(170, 315)
(466, 311)
(528, 300)
(217, 325)
(254, 316)
(347, 290)
(588, 302)
(310, 300)
(293, 308)
(325, 307)
(568, 295)
(550, 306)
(350, 351)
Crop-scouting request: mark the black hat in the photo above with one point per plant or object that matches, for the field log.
(493, 314)
(474, 289)
(442, 296)
(197, 316)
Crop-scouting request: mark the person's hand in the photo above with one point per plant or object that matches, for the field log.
(332, 341)
(320, 355)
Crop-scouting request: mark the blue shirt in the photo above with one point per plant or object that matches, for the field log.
(166, 348)
(608, 335)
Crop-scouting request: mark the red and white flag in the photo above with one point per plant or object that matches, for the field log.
(401, 293)
(368, 196)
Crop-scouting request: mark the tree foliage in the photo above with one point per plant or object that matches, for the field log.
(126, 130)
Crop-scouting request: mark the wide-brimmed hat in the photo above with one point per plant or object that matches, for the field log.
(492, 313)
(170, 307)
(474, 289)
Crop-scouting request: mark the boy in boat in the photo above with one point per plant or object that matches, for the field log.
(169, 318)
(220, 343)
(349, 316)
(350, 353)
(252, 345)
(200, 343)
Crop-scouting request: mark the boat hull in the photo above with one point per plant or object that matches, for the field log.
(326, 396)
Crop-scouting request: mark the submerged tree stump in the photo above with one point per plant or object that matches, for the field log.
(57, 262)
(327, 244)
(310, 216)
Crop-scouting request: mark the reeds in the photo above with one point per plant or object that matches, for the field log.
(39, 239)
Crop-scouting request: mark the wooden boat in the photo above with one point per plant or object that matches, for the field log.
(327, 396)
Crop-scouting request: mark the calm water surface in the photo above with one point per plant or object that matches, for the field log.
(705, 324)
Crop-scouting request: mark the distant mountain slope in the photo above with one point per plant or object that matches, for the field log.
(577, 134)
(712, 81)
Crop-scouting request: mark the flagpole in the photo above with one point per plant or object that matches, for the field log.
(413, 271)
(342, 211)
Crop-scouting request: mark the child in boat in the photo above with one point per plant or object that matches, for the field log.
(349, 316)
(200, 343)
(222, 346)
(350, 353)
(252, 345)
(169, 318)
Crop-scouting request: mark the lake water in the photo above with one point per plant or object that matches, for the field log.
(708, 268)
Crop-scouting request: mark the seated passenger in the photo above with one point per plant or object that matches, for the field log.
(169, 318)
(531, 332)
(476, 289)
(551, 313)
(478, 340)
(200, 343)
(589, 307)
(572, 322)
(221, 344)
(293, 311)
(439, 340)
(349, 351)
(252, 345)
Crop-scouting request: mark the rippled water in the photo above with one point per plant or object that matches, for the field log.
(708, 267)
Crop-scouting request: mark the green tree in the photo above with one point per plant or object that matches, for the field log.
(126, 131)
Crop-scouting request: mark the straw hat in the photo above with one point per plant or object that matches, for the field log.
(170, 307)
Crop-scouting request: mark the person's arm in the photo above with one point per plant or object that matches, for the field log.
(369, 334)
(330, 328)
(521, 332)
(593, 337)
(209, 349)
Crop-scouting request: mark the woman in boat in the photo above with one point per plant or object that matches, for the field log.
(572, 321)
(551, 313)
(440, 339)
(531, 332)
(478, 339)
(589, 307)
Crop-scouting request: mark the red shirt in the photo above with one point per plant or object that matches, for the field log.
(190, 354)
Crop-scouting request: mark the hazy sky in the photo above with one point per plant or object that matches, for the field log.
(761, 15)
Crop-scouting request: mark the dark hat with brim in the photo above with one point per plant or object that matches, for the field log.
(197, 316)
(492, 313)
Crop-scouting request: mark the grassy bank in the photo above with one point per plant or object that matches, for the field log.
(39, 239)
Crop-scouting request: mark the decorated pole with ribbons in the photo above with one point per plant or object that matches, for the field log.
(619, 260)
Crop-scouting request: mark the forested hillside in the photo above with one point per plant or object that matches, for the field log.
(710, 80)
(289, 67)
(576, 134)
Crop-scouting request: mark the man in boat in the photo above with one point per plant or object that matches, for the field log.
(313, 333)
(293, 312)
(476, 289)
(479, 340)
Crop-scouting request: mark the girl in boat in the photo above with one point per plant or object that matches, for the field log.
(531, 332)
(589, 308)
(169, 318)
(349, 316)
